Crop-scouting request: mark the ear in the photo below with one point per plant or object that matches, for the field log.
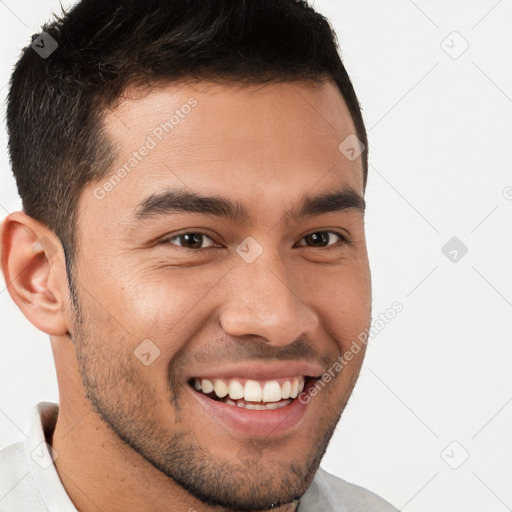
(34, 269)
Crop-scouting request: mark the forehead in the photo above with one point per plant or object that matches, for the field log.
(233, 110)
(257, 141)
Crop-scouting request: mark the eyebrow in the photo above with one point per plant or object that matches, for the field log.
(172, 201)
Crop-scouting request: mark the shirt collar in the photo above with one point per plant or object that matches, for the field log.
(40, 458)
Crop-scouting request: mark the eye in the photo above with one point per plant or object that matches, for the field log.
(321, 239)
(191, 240)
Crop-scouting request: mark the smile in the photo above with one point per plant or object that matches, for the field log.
(252, 394)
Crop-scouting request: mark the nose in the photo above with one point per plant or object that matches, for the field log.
(262, 301)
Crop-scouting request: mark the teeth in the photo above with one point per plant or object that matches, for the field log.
(271, 392)
(206, 386)
(220, 388)
(258, 407)
(295, 388)
(252, 391)
(285, 390)
(276, 405)
(236, 390)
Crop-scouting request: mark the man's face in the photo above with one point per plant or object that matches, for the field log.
(274, 293)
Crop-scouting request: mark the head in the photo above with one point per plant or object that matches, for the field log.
(194, 218)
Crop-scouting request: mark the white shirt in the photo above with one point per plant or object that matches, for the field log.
(29, 481)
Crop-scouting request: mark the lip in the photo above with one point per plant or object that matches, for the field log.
(261, 371)
(258, 424)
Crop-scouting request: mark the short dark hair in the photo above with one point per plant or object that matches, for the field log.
(56, 104)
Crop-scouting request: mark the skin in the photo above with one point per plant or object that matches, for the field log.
(129, 437)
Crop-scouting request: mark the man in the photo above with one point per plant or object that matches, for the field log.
(192, 240)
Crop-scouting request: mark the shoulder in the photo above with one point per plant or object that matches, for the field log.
(337, 495)
(18, 491)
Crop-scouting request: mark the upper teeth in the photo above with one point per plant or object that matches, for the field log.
(252, 390)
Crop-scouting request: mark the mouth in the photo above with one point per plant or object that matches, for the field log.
(257, 395)
(258, 400)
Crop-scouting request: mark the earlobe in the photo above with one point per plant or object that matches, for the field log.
(34, 271)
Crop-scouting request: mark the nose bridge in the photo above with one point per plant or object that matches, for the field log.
(262, 301)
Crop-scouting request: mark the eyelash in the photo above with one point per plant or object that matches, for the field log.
(344, 240)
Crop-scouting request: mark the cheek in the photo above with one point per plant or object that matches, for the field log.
(113, 360)
(342, 300)
(167, 306)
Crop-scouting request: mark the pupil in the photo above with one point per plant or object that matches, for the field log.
(193, 239)
(321, 237)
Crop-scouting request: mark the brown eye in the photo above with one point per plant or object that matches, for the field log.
(192, 240)
(321, 239)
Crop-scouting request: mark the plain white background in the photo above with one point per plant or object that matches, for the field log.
(428, 426)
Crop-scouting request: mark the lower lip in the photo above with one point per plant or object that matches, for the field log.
(270, 422)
